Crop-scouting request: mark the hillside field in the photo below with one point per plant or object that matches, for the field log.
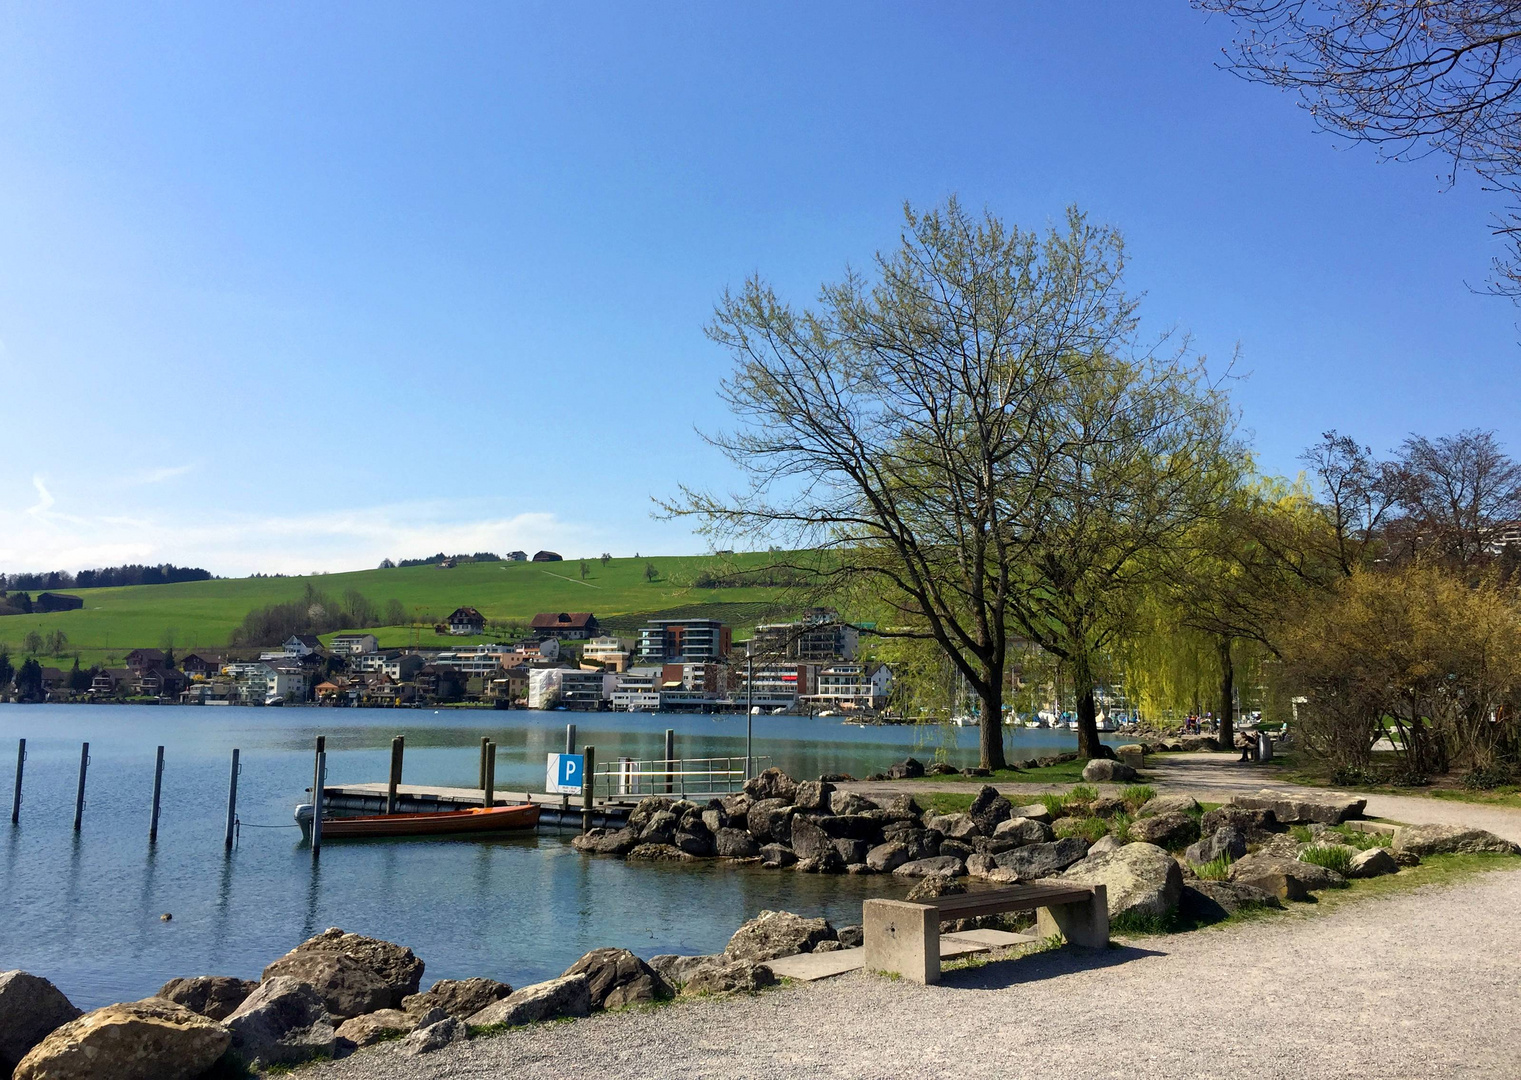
(203, 614)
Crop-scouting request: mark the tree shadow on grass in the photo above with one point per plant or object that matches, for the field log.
(1015, 971)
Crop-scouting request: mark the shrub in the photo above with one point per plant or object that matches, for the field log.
(1216, 869)
(1082, 793)
(1091, 829)
(1055, 805)
(1488, 779)
(1331, 856)
(1137, 796)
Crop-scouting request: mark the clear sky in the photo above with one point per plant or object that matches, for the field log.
(293, 287)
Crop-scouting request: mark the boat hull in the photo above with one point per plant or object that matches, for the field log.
(445, 823)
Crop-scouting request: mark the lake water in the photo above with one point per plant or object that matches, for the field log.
(83, 909)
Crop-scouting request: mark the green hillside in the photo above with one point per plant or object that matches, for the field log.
(203, 614)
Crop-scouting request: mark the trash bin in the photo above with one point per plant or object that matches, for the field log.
(1264, 746)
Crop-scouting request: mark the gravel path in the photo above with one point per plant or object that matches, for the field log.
(1420, 984)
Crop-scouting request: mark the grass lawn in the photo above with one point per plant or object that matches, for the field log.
(1300, 768)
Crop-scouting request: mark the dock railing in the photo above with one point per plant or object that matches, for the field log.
(627, 778)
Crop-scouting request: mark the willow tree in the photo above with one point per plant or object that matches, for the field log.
(898, 428)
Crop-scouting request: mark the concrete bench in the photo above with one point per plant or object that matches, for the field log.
(903, 938)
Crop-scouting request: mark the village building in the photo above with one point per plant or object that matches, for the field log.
(465, 622)
(573, 625)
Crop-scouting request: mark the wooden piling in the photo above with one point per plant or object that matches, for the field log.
(79, 799)
(158, 787)
(670, 756)
(20, 768)
(398, 747)
(317, 786)
(316, 764)
(489, 788)
(232, 800)
(588, 773)
(481, 783)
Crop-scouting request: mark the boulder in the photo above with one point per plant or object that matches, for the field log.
(885, 858)
(777, 933)
(1258, 826)
(371, 1028)
(921, 843)
(735, 844)
(942, 768)
(660, 828)
(1426, 840)
(907, 769)
(569, 995)
(1107, 842)
(989, 809)
(848, 802)
(647, 808)
(697, 841)
(213, 996)
(714, 819)
(770, 821)
(1407, 858)
(1329, 809)
(395, 965)
(1224, 841)
(283, 1022)
(854, 826)
(1283, 875)
(725, 976)
(736, 809)
(677, 970)
(957, 849)
(813, 797)
(1106, 806)
(1033, 812)
(932, 888)
(605, 841)
(1168, 804)
(616, 977)
(152, 1039)
(852, 937)
(1141, 879)
(1103, 770)
(1170, 830)
(827, 861)
(771, 784)
(1042, 860)
(347, 987)
(459, 998)
(904, 807)
(776, 856)
(436, 1036)
(30, 1008)
(956, 826)
(1211, 901)
(808, 840)
(659, 853)
(983, 868)
(936, 866)
(852, 851)
(1023, 830)
(1375, 862)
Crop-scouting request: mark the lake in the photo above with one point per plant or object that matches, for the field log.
(84, 909)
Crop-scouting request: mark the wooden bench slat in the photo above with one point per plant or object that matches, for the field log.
(1014, 898)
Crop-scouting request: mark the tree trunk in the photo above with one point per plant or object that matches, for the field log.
(1088, 745)
(990, 726)
(1227, 713)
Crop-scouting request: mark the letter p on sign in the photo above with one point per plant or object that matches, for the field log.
(563, 776)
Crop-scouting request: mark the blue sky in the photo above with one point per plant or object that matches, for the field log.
(293, 287)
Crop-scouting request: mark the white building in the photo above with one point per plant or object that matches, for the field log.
(852, 686)
(353, 644)
(608, 651)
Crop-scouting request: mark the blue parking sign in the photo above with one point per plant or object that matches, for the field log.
(564, 775)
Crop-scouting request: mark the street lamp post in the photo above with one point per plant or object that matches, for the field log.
(749, 707)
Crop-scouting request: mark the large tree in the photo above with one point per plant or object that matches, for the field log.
(900, 428)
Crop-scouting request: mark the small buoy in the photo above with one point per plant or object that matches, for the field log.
(165, 917)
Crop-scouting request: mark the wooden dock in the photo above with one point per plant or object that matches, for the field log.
(421, 799)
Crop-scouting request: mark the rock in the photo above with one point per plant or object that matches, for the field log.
(1167, 804)
(942, 768)
(1284, 876)
(1042, 860)
(569, 995)
(395, 965)
(660, 828)
(677, 970)
(848, 802)
(990, 845)
(852, 826)
(1258, 826)
(283, 1022)
(826, 862)
(606, 841)
(698, 842)
(724, 976)
(1170, 830)
(1033, 812)
(936, 866)
(1211, 901)
(714, 819)
(459, 998)
(213, 996)
(956, 826)
(851, 937)
(436, 1036)
(371, 1028)
(813, 797)
(957, 849)
(1107, 842)
(983, 868)
(976, 770)
(851, 851)
(1375, 862)
(736, 809)
(907, 769)
(931, 888)
(1224, 841)
(904, 806)
(771, 784)
(30, 1008)
(659, 853)
(616, 977)
(777, 933)
(808, 840)
(647, 808)
(1426, 840)
(828, 946)
(838, 778)
(885, 858)
(1103, 770)
(1407, 858)
(1106, 806)
(921, 843)
(770, 820)
(989, 809)
(735, 844)
(152, 1039)
(1023, 830)
(1328, 809)
(347, 987)
(1141, 879)
(775, 856)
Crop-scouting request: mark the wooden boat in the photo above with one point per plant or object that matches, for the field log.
(445, 823)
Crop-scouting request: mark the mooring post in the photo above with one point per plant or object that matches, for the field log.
(317, 786)
(670, 755)
(481, 783)
(79, 802)
(20, 768)
(489, 795)
(232, 799)
(158, 787)
(317, 765)
(587, 786)
(398, 747)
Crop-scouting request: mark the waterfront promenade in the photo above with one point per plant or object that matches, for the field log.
(1418, 984)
